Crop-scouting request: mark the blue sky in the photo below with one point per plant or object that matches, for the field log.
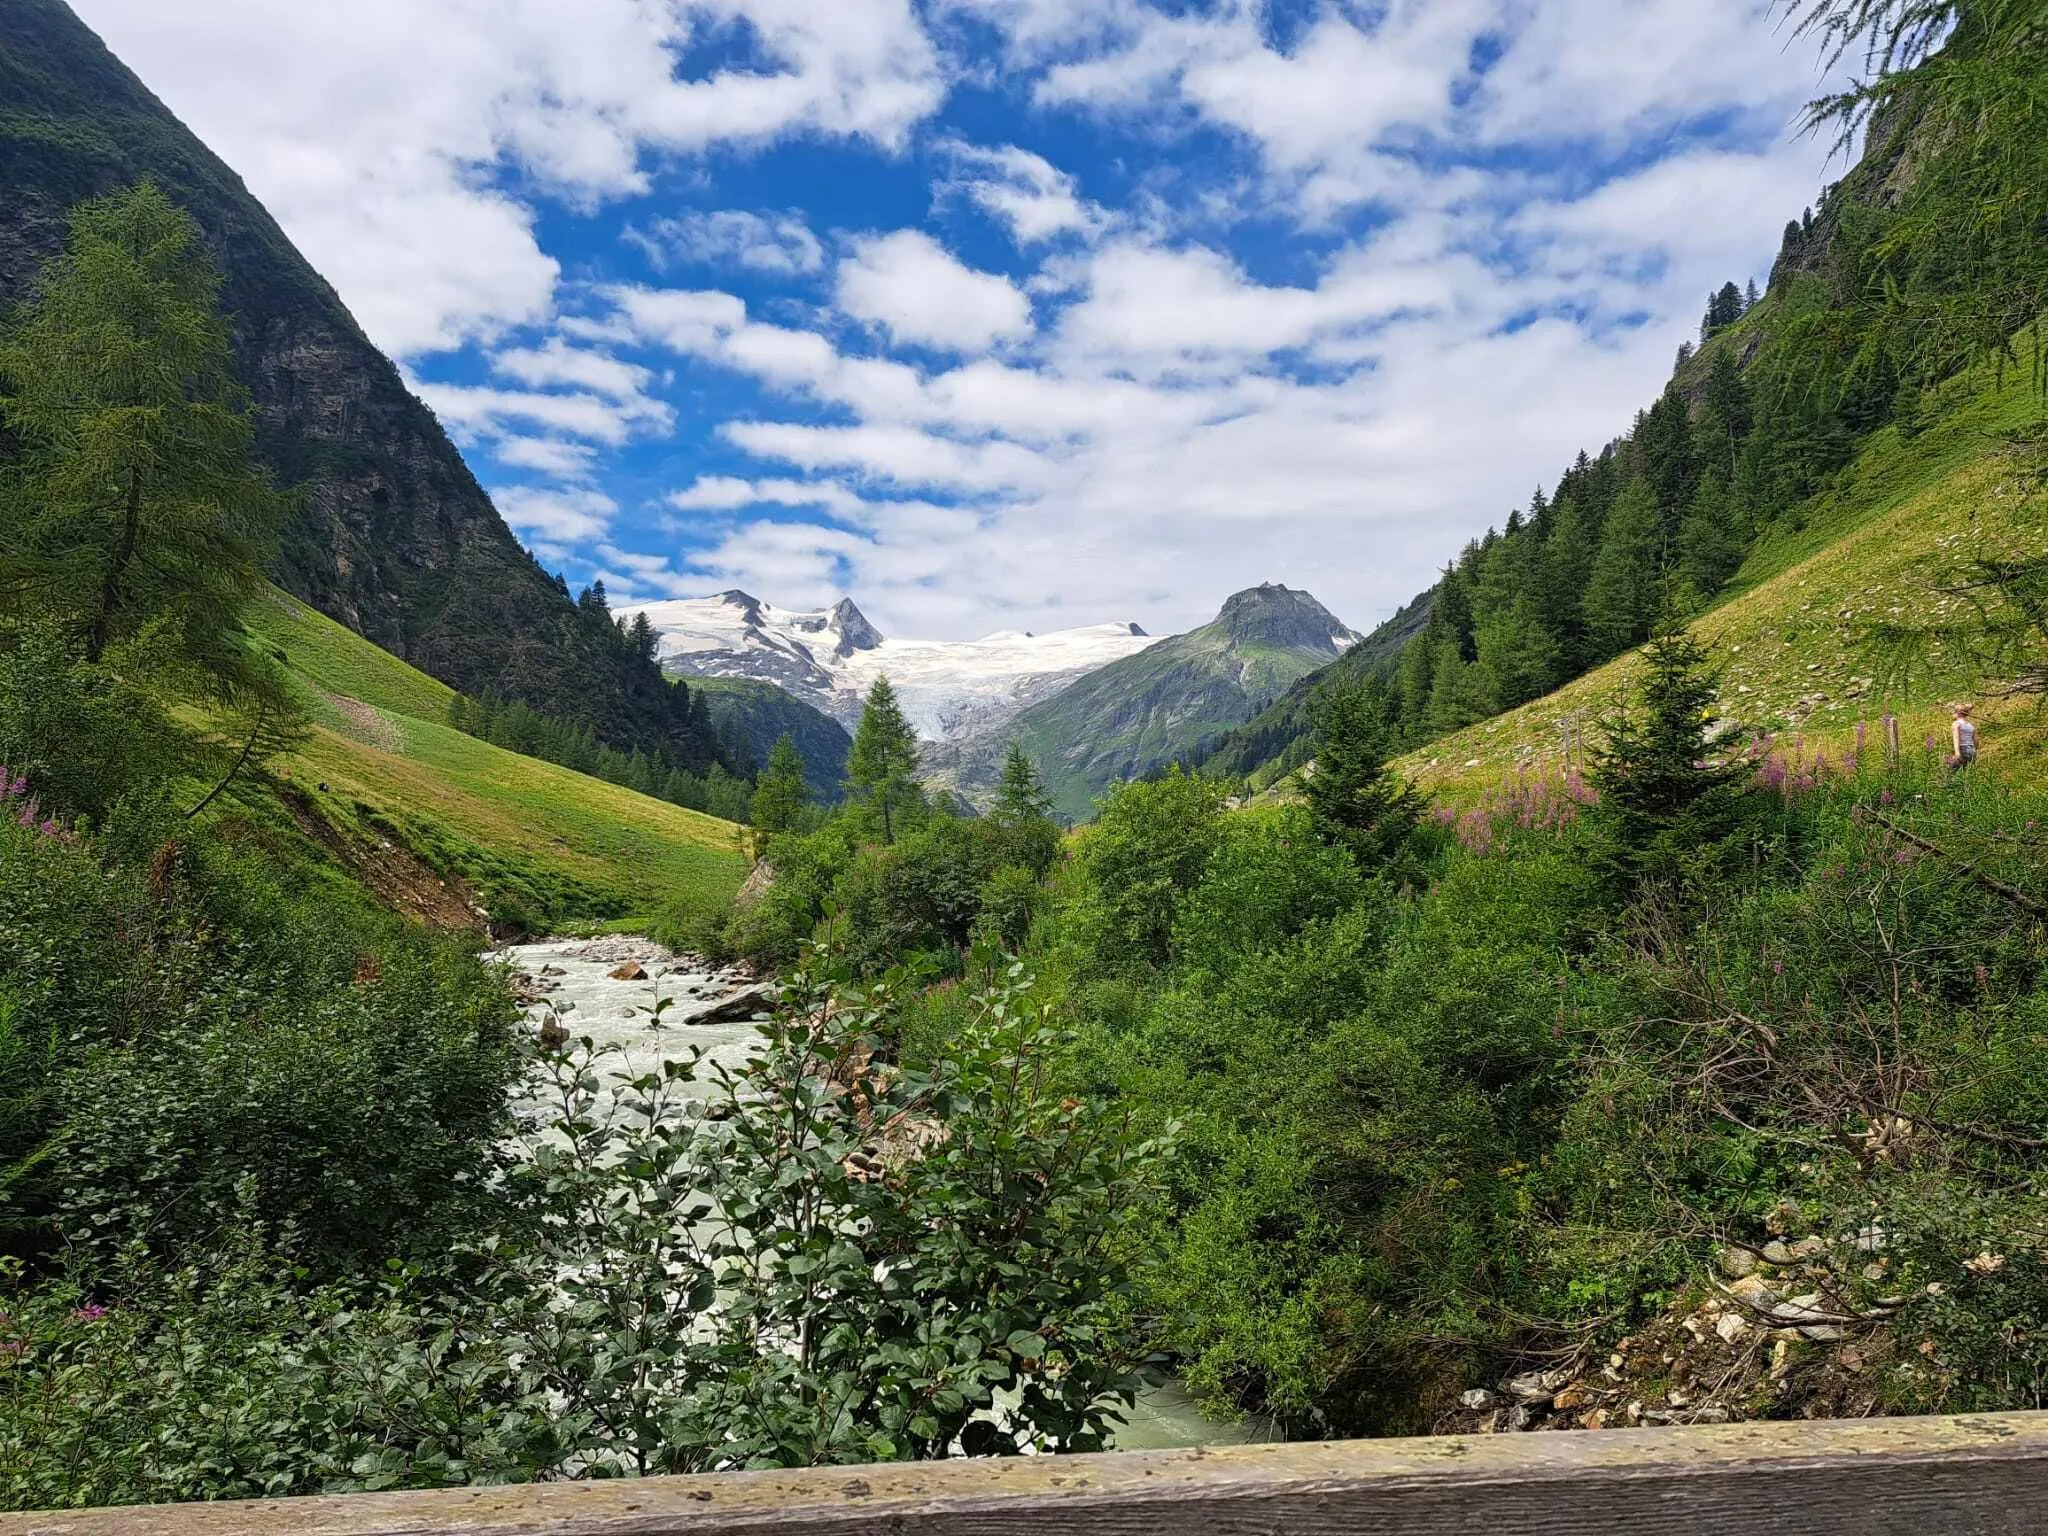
(1010, 313)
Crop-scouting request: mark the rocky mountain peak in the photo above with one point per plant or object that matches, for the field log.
(748, 605)
(1275, 615)
(852, 626)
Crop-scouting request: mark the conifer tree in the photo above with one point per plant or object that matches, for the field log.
(135, 522)
(133, 497)
(780, 794)
(1020, 793)
(1623, 595)
(1667, 813)
(1357, 801)
(882, 766)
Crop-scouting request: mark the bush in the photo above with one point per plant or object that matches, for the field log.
(227, 1034)
(815, 1259)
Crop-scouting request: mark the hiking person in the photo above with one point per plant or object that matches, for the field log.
(1963, 736)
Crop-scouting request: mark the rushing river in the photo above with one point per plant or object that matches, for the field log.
(574, 980)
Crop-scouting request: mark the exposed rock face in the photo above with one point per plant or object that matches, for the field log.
(394, 537)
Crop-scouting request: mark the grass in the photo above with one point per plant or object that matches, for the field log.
(557, 845)
(1884, 544)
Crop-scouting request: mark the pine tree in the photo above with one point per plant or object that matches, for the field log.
(1357, 801)
(1667, 814)
(133, 497)
(780, 794)
(882, 766)
(1623, 595)
(1020, 793)
(642, 638)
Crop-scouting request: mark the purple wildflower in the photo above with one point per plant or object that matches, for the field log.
(91, 1312)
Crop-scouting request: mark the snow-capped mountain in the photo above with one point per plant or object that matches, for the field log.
(952, 690)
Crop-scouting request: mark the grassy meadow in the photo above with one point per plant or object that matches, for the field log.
(379, 759)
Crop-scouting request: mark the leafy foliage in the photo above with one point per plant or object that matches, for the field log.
(817, 1258)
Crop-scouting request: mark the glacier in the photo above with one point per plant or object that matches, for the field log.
(952, 691)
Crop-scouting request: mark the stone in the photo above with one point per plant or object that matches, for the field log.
(1778, 1251)
(1824, 1333)
(1479, 1400)
(1574, 1396)
(1519, 1418)
(632, 970)
(1872, 1240)
(743, 1004)
(1731, 1326)
(1753, 1290)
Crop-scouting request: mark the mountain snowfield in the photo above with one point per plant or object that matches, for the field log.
(951, 690)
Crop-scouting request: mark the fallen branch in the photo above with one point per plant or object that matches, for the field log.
(2009, 893)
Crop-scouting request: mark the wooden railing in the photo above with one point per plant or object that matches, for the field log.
(1871, 1477)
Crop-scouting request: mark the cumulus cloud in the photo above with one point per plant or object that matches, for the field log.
(779, 243)
(555, 515)
(369, 129)
(1030, 195)
(1309, 293)
(920, 293)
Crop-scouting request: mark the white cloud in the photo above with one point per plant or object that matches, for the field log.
(1152, 411)
(367, 129)
(1034, 198)
(478, 411)
(916, 290)
(780, 243)
(554, 457)
(580, 367)
(729, 493)
(556, 515)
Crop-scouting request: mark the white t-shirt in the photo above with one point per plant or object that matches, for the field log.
(1966, 738)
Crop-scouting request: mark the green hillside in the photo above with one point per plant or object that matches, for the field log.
(762, 713)
(1889, 543)
(1138, 715)
(537, 843)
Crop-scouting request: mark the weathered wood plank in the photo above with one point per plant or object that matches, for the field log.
(1985, 1475)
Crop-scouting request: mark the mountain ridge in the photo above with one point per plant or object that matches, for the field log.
(829, 658)
(394, 537)
(1144, 712)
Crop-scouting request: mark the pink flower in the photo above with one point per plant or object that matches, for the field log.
(91, 1312)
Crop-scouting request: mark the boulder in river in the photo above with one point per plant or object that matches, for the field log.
(744, 1004)
(632, 970)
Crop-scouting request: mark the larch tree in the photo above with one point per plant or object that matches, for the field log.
(135, 521)
(780, 794)
(134, 498)
(882, 767)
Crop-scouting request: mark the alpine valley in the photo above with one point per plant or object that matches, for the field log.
(1139, 702)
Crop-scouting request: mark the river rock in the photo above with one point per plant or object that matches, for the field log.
(744, 1004)
(632, 970)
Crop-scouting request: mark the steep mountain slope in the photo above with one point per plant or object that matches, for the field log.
(394, 537)
(1893, 541)
(1139, 714)
(763, 713)
(379, 773)
(952, 690)
(1275, 740)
